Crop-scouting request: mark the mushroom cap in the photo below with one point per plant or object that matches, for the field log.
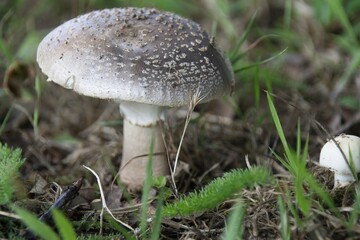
(331, 157)
(136, 54)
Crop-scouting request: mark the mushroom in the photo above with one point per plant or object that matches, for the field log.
(145, 59)
(341, 161)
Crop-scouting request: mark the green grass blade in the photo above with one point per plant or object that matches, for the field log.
(338, 10)
(292, 209)
(64, 226)
(259, 62)
(278, 125)
(350, 69)
(158, 216)
(285, 231)
(287, 14)
(5, 120)
(234, 56)
(221, 13)
(324, 195)
(39, 228)
(235, 226)
(257, 87)
(303, 202)
(354, 214)
(298, 141)
(146, 190)
(5, 51)
(120, 228)
(38, 90)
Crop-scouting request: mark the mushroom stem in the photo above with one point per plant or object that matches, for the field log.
(136, 147)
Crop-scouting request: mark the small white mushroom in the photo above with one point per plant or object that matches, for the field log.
(331, 157)
(136, 56)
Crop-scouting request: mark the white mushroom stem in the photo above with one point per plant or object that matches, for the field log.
(141, 132)
(340, 161)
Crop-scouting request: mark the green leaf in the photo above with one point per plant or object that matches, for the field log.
(35, 225)
(64, 226)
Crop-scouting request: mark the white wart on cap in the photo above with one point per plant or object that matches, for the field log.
(331, 157)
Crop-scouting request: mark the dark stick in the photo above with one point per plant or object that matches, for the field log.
(68, 195)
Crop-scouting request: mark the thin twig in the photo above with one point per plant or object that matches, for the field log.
(104, 205)
(196, 99)
(12, 215)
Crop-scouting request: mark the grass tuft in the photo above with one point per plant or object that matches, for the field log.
(10, 162)
(306, 186)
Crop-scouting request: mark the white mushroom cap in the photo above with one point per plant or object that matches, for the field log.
(331, 157)
(136, 54)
